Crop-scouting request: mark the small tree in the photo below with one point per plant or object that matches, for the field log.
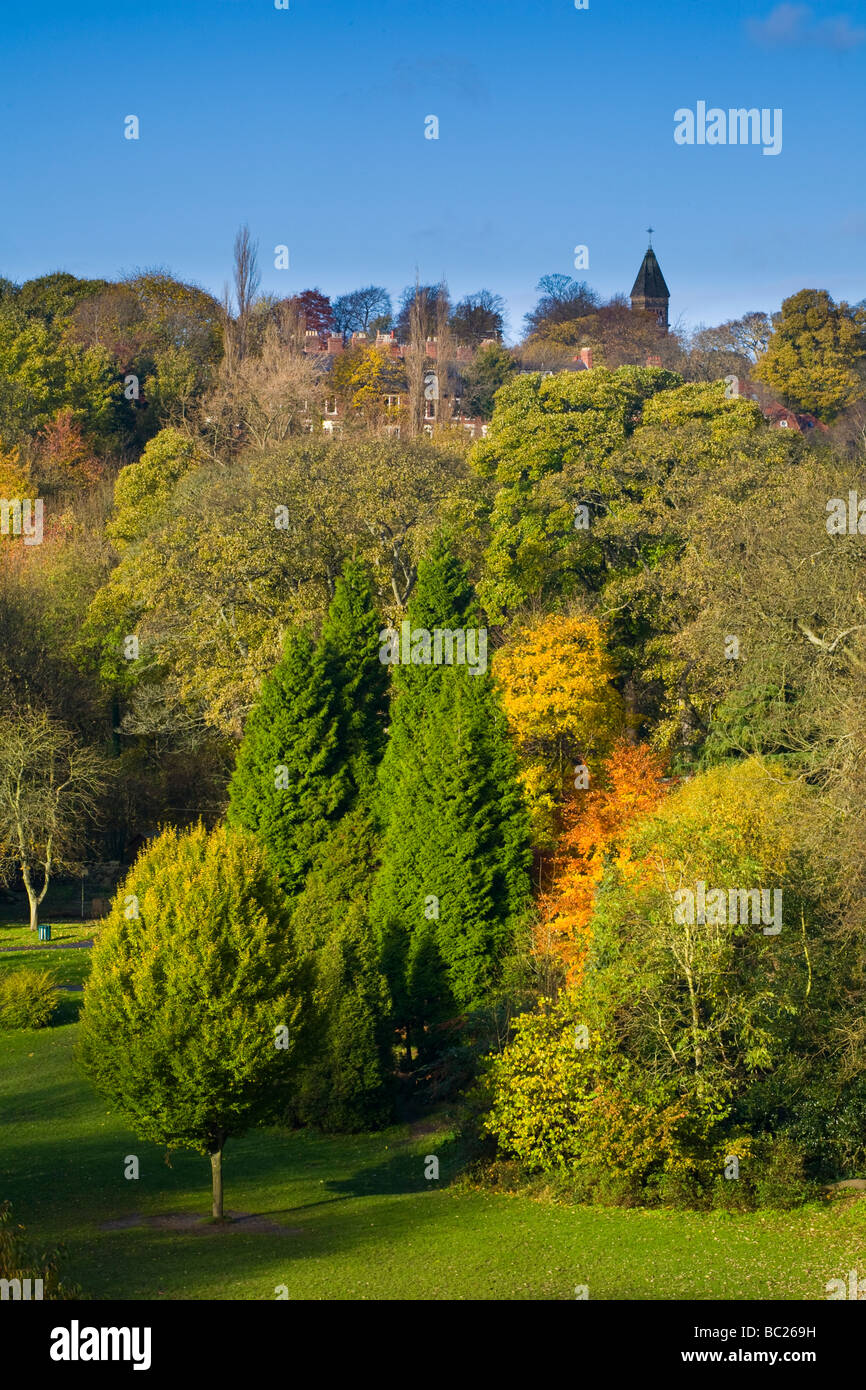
(49, 788)
(191, 1020)
(65, 459)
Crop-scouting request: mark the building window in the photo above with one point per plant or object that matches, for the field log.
(331, 405)
(429, 410)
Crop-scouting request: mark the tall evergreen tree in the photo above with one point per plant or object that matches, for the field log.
(345, 1082)
(350, 642)
(290, 785)
(455, 845)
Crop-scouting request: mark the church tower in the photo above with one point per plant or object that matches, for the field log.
(649, 291)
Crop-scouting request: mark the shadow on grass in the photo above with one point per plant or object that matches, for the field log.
(403, 1173)
(340, 1199)
(235, 1261)
(63, 1152)
(69, 1007)
(75, 1167)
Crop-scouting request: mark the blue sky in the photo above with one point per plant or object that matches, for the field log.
(556, 129)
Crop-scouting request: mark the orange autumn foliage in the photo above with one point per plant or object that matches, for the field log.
(65, 459)
(593, 823)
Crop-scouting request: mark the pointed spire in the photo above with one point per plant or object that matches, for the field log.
(650, 283)
(649, 291)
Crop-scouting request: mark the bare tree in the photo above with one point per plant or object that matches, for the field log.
(415, 359)
(354, 311)
(246, 285)
(278, 393)
(445, 355)
(290, 323)
(272, 393)
(49, 789)
(747, 337)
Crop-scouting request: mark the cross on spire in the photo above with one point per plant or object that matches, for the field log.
(650, 231)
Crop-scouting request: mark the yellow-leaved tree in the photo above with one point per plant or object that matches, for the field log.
(555, 678)
(15, 480)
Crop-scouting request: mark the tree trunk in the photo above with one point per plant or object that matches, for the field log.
(216, 1166)
(33, 897)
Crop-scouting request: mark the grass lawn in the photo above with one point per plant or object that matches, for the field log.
(67, 967)
(355, 1218)
(19, 934)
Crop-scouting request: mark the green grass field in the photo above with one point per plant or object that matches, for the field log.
(19, 934)
(355, 1218)
(68, 967)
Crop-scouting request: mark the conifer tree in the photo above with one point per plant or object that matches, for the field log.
(455, 847)
(350, 643)
(345, 1082)
(289, 785)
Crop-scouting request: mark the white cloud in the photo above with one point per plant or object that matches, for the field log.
(795, 26)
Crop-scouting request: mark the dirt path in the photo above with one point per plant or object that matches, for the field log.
(51, 946)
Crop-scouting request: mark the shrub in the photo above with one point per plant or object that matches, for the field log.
(781, 1181)
(613, 1190)
(344, 1082)
(582, 1112)
(729, 1187)
(682, 1191)
(28, 999)
(828, 1123)
(345, 1087)
(733, 1196)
